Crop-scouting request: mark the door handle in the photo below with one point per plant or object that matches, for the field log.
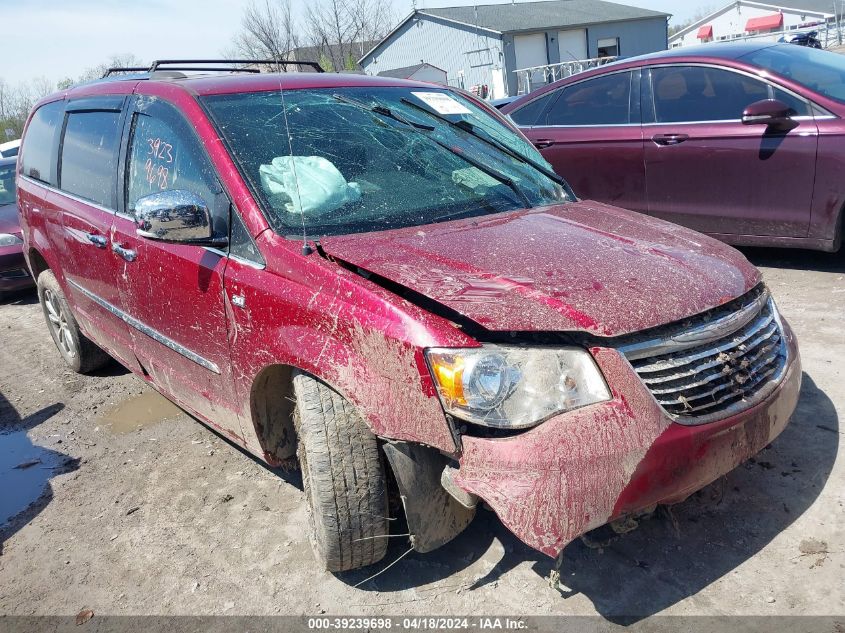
(543, 143)
(126, 253)
(669, 139)
(99, 241)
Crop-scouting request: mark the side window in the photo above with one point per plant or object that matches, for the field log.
(529, 113)
(240, 243)
(38, 158)
(600, 101)
(89, 156)
(165, 154)
(699, 93)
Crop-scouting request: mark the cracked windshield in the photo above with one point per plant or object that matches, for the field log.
(395, 157)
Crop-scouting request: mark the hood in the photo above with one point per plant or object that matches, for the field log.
(9, 221)
(583, 266)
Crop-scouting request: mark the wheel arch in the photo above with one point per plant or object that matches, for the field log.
(271, 408)
(37, 262)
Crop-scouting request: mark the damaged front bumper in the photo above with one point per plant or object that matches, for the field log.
(579, 470)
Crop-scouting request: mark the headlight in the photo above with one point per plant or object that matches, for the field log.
(7, 239)
(514, 387)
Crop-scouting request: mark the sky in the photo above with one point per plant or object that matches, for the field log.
(61, 38)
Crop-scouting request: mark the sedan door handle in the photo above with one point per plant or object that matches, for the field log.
(126, 253)
(543, 143)
(669, 139)
(99, 241)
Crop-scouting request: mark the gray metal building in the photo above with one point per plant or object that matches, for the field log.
(483, 45)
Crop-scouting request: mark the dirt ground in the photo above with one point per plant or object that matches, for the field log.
(129, 506)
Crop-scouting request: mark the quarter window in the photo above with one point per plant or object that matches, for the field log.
(38, 154)
(89, 156)
(799, 106)
(700, 93)
(529, 113)
(601, 101)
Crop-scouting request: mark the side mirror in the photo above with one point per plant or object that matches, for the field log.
(770, 112)
(176, 216)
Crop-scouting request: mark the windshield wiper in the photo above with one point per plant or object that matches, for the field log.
(382, 110)
(387, 112)
(470, 129)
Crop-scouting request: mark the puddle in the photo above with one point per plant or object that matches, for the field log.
(25, 469)
(142, 411)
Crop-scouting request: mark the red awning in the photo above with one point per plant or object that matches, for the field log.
(705, 32)
(765, 23)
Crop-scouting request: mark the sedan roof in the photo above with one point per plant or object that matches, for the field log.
(718, 50)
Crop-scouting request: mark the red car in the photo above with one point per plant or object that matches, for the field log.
(14, 274)
(371, 274)
(740, 141)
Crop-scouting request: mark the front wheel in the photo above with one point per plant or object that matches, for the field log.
(343, 476)
(79, 352)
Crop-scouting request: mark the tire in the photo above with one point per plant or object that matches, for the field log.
(78, 352)
(343, 477)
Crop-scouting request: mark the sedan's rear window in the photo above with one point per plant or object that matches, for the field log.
(818, 70)
(345, 160)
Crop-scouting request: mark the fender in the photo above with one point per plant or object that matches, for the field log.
(311, 316)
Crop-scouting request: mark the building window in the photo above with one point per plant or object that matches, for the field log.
(608, 47)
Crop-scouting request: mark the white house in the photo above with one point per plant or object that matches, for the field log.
(418, 72)
(744, 18)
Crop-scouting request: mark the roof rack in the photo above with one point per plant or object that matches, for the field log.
(125, 69)
(246, 65)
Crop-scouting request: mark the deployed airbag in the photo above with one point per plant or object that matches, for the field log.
(306, 184)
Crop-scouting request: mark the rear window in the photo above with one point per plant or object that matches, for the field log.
(89, 156)
(38, 159)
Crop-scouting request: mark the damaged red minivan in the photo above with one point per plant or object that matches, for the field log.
(381, 276)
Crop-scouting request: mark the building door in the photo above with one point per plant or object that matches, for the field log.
(572, 45)
(530, 50)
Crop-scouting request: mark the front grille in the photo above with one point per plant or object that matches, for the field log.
(708, 370)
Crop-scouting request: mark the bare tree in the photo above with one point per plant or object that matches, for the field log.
(700, 14)
(123, 60)
(17, 100)
(340, 29)
(267, 32)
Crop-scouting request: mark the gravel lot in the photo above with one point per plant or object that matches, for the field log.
(161, 516)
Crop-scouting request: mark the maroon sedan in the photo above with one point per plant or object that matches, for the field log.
(740, 141)
(14, 274)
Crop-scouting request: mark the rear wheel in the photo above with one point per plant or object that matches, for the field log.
(343, 477)
(79, 352)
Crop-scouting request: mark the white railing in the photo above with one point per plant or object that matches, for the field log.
(531, 78)
(829, 36)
